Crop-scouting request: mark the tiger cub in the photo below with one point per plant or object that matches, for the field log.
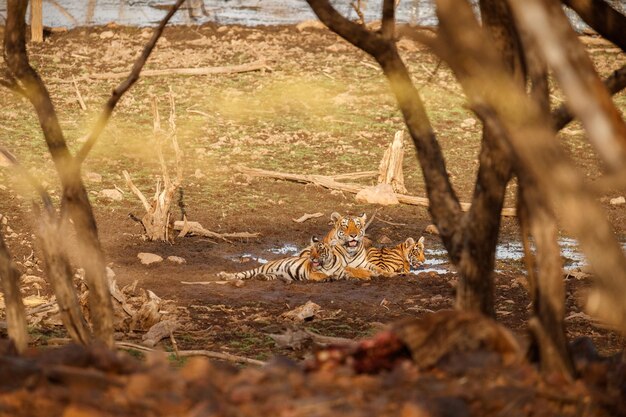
(318, 262)
(399, 259)
(347, 235)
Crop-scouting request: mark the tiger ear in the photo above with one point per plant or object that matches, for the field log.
(335, 216)
(363, 217)
(420, 242)
(314, 239)
(409, 242)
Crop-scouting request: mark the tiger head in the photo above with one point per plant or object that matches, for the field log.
(348, 231)
(319, 253)
(414, 252)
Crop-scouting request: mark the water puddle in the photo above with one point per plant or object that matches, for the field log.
(437, 257)
(71, 13)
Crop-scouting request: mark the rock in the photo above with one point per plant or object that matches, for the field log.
(106, 34)
(431, 229)
(111, 194)
(94, 177)
(32, 279)
(176, 259)
(617, 201)
(469, 122)
(384, 240)
(149, 258)
(222, 29)
(310, 24)
(379, 194)
(305, 312)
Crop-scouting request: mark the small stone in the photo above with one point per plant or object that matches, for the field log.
(222, 29)
(384, 240)
(310, 24)
(198, 173)
(431, 229)
(147, 258)
(468, 122)
(617, 201)
(106, 34)
(94, 177)
(111, 194)
(176, 259)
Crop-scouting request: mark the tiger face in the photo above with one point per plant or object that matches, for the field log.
(415, 252)
(319, 254)
(348, 231)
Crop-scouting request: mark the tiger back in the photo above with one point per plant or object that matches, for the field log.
(398, 259)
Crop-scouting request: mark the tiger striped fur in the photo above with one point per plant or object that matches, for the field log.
(318, 262)
(398, 259)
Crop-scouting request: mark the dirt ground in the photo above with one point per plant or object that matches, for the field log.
(320, 107)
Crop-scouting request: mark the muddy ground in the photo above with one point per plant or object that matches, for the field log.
(319, 107)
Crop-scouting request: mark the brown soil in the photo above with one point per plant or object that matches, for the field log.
(237, 319)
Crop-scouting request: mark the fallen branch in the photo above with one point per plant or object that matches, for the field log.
(330, 183)
(230, 69)
(197, 229)
(220, 355)
(307, 216)
(187, 353)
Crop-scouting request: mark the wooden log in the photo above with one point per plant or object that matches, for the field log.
(332, 184)
(197, 229)
(36, 21)
(390, 168)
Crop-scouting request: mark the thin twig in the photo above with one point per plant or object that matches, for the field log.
(81, 102)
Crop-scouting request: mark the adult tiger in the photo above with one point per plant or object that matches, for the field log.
(399, 259)
(318, 262)
(347, 234)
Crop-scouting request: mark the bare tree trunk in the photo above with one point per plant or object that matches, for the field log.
(36, 20)
(528, 131)
(59, 271)
(16, 317)
(480, 226)
(75, 202)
